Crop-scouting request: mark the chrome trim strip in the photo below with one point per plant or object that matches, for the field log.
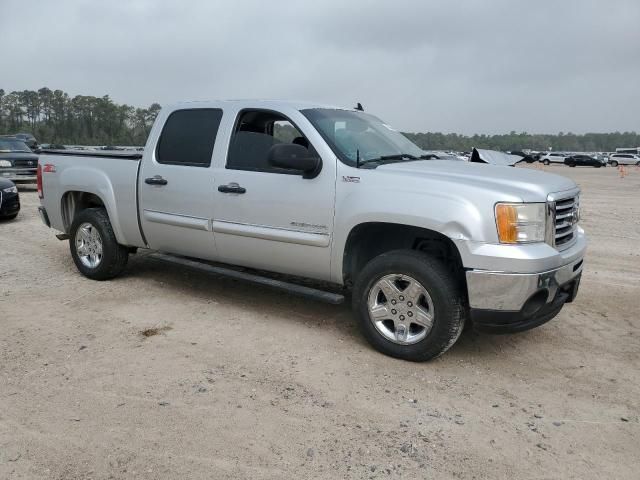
(277, 234)
(177, 220)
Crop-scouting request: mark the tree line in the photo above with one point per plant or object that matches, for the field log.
(563, 142)
(53, 116)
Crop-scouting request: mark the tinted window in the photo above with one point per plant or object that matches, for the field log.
(255, 133)
(188, 137)
(12, 145)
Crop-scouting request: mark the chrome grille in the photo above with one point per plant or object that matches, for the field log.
(25, 163)
(566, 220)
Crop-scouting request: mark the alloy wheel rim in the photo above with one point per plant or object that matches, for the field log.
(401, 309)
(89, 245)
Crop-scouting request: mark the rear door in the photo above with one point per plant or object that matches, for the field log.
(175, 184)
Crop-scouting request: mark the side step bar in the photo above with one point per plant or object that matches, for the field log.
(300, 290)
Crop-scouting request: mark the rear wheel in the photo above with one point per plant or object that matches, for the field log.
(9, 217)
(94, 247)
(408, 305)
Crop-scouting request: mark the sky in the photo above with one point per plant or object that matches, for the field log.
(465, 66)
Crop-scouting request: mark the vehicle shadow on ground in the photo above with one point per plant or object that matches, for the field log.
(232, 292)
(336, 318)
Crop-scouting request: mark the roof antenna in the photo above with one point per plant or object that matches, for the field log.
(359, 107)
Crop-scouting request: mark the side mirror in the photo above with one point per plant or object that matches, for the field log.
(295, 157)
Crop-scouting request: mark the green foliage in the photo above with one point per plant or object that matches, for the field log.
(569, 142)
(54, 117)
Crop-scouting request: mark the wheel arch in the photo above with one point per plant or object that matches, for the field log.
(72, 202)
(370, 239)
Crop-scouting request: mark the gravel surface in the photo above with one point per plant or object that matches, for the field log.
(166, 373)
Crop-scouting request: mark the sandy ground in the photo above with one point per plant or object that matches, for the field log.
(246, 382)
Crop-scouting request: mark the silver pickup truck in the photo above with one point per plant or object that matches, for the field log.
(335, 195)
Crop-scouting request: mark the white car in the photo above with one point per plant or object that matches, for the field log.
(554, 157)
(623, 159)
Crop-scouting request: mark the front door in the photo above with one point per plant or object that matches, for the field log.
(266, 217)
(176, 185)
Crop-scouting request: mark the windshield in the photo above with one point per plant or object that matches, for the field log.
(357, 134)
(11, 145)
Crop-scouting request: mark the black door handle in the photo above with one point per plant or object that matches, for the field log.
(231, 188)
(156, 180)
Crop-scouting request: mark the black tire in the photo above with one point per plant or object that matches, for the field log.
(114, 256)
(546, 162)
(449, 317)
(9, 217)
(572, 164)
(614, 163)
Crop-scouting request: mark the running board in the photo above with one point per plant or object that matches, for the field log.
(295, 289)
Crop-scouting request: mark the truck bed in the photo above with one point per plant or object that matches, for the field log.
(111, 176)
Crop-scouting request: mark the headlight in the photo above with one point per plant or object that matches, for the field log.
(5, 163)
(13, 189)
(521, 222)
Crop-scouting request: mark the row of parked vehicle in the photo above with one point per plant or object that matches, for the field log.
(586, 160)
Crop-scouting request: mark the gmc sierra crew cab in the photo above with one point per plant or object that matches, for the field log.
(335, 195)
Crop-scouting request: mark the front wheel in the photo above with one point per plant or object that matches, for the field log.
(546, 162)
(614, 163)
(94, 247)
(408, 305)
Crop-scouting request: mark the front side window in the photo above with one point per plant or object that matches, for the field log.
(188, 137)
(359, 136)
(256, 131)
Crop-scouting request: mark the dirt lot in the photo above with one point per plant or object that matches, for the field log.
(244, 382)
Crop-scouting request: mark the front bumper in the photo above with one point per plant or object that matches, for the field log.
(9, 204)
(501, 302)
(17, 174)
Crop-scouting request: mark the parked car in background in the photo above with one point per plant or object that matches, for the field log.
(423, 244)
(9, 199)
(601, 158)
(27, 138)
(582, 161)
(616, 159)
(555, 157)
(17, 162)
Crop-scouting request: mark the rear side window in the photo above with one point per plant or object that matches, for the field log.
(188, 137)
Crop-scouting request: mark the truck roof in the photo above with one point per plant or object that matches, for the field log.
(253, 103)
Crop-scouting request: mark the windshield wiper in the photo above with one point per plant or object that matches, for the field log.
(383, 158)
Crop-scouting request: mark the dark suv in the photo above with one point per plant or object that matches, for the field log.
(17, 162)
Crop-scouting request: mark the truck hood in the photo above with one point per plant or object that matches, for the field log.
(526, 184)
